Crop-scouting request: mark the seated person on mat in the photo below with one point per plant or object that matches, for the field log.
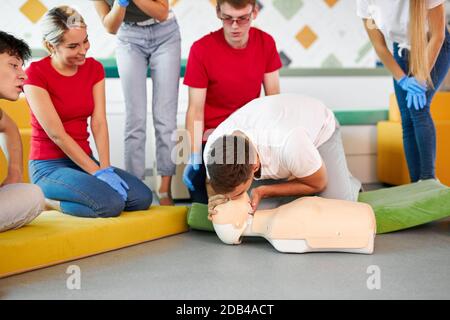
(308, 224)
(63, 91)
(20, 202)
(294, 140)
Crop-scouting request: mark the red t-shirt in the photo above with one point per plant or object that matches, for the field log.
(233, 77)
(73, 99)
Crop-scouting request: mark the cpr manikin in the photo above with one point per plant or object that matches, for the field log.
(309, 224)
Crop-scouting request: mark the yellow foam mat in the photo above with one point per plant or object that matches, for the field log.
(55, 238)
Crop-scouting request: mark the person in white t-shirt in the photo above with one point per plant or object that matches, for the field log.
(419, 63)
(292, 141)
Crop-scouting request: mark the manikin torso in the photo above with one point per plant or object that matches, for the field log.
(304, 225)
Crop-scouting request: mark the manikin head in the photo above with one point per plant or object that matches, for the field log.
(232, 164)
(232, 219)
(65, 36)
(237, 17)
(13, 53)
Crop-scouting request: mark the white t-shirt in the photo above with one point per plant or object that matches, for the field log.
(391, 17)
(286, 130)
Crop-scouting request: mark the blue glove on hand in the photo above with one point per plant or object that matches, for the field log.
(192, 166)
(419, 100)
(123, 3)
(411, 85)
(113, 180)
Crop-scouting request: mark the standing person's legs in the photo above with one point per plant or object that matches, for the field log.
(20, 204)
(421, 147)
(419, 133)
(341, 184)
(132, 63)
(423, 123)
(80, 194)
(165, 71)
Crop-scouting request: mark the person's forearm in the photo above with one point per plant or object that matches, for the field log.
(68, 145)
(158, 9)
(12, 148)
(292, 188)
(194, 126)
(389, 62)
(114, 18)
(101, 138)
(434, 48)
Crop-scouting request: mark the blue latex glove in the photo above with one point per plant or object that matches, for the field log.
(411, 85)
(192, 166)
(418, 100)
(123, 3)
(108, 176)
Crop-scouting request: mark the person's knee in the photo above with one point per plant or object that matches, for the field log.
(144, 198)
(112, 208)
(35, 197)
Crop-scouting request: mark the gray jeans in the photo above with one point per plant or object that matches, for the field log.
(341, 184)
(20, 203)
(157, 46)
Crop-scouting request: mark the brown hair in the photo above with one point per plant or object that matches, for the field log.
(230, 163)
(56, 22)
(238, 4)
(418, 59)
(14, 47)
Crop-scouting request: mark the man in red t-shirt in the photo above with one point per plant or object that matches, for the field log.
(225, 71)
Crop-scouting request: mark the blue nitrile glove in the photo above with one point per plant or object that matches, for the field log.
(123, 3)
(193, 165)
(108, 176)
(411, 85)
(418, 100)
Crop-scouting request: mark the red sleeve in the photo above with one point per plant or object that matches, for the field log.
(196, 75)
(273, 60)
(99, 71)
(36, 77)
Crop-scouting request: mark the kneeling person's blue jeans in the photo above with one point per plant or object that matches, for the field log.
(82, 194)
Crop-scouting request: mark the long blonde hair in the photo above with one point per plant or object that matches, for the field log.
(56, 22)
(418, 59)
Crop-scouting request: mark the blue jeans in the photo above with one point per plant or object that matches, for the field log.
(419, 133)
(138, 47)
(82, 194)
(200, 195)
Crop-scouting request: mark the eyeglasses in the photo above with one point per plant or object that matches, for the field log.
(241, 21)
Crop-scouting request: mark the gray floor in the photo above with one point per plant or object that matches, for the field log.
(414, 264)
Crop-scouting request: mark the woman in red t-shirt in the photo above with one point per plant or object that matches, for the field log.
(63, 91)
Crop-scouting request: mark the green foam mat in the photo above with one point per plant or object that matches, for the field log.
(409, 205)
(395, 208)
(197, 217)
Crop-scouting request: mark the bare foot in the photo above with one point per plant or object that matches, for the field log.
(52, 204)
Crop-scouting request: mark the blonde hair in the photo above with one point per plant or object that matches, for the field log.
(56, 22)
(418, 59)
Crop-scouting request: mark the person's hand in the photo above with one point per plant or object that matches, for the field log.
(418, 100)
(215, 201)
(256, 195)
(193, 165)
(411, 85)
(123, 3)
(108, 176)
